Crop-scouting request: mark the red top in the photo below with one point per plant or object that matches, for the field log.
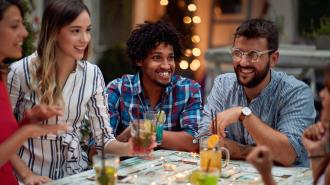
(8, 126)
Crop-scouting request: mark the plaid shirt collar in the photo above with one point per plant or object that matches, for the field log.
(137, 87)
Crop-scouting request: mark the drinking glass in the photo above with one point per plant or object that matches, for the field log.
(204, 177)
(142, 132)
(211, 158)
(106, 172)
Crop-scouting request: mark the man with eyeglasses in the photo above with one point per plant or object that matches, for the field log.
(258, 105)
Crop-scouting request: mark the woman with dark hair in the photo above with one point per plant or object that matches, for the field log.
(316, 140)
(59, 74)
(12, 34)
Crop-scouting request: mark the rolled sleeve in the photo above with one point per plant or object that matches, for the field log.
(97, 112)
(296, 115)
(113, 93)
(192, 113)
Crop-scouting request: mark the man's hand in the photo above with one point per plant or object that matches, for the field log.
(41, 112)
(227, 117)
(236, 150)
(316, 138)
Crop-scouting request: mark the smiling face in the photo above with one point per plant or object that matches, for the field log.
(251, 74)
(73, 39)
(12, 34)
(159, 66)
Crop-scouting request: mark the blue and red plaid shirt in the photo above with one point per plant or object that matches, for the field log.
(181, 101)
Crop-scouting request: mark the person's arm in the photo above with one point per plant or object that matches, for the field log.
(189, 119)
(181, 141)
(236, 150)
(261, 133)
(296, 112)
(315, 140)
(11, 144)
(261, 158)
(27, 176)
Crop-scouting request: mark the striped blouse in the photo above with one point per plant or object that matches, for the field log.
(83, 93)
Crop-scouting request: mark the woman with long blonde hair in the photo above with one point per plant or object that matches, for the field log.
(59, 74)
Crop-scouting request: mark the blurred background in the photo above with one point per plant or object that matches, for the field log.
(207, 27)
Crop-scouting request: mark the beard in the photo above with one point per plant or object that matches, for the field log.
(161, 84)
(258, 77)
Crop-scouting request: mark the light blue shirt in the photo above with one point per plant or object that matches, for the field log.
(286, 105)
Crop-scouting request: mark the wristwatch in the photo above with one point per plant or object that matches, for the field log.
(246, 111)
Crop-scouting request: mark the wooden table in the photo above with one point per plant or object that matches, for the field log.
(139, 171)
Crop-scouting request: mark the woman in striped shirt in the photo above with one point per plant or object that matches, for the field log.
(59, 74)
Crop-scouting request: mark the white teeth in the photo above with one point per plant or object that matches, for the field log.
(80, 48)
(164, 74)
(245, 70)
(20, 44)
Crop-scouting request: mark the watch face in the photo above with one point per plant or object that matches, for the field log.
(246, 111)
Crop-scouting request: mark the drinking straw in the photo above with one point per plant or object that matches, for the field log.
(215, 122)
(208, 165)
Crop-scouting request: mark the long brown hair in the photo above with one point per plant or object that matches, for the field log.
(58, 13)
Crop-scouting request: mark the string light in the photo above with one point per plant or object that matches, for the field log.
(196, 52)
(192, 7)
(195, 39)
(196, 19)
(184, 64)
(187, 52)
(163, 2)
(195, 64)
(187, 20)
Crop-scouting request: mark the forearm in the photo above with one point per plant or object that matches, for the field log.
(268, 179)
(317, 166)
(262, 134)
(181, 141)
(20, 167)
(237, 150)
(118, 148)
(9, 147)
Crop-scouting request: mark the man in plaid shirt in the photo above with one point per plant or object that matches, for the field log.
(153, 49)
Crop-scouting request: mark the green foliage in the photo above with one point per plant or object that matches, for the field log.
(323, 29)
(114, 63)
(28, 46)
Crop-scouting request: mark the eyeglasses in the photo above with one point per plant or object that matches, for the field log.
(253, 55)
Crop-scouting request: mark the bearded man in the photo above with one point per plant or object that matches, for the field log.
(258, 105)
(154, 48)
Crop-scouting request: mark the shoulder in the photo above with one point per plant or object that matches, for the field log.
(119, 82)
(289, 84)
(228, 80)
(186, 83)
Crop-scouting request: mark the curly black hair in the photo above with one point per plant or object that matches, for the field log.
(148, 36)
(256, 28)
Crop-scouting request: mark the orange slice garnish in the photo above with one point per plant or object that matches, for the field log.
(212, 141)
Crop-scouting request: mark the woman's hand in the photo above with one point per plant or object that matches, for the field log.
(261, 158)
(41, 112)
(33, 179)
(315, 139)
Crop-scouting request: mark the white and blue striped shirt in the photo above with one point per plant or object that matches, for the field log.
(286, 105)
(83, 94)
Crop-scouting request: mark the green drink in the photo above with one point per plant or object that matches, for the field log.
(202, 177)
(105, 169)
